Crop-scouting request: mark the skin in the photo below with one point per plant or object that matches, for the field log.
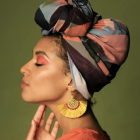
(37, 132)
(49, 86)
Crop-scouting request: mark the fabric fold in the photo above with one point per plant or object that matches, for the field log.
(96, 47)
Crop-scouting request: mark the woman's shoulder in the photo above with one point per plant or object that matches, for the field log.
(84, 134)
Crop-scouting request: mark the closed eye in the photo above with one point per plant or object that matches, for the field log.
(38, 64)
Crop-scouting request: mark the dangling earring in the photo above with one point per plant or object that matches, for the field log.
(74, 108)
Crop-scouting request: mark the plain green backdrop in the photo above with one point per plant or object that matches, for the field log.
(118, 103)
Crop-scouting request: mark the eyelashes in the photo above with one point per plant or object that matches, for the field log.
(38, 64)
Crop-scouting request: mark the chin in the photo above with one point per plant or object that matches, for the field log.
(30, 99)
(27, 98)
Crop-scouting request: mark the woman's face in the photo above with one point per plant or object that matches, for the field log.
(46, 82)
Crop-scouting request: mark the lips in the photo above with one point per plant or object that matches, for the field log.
(23, 81)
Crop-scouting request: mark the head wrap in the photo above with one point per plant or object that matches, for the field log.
(96, 47)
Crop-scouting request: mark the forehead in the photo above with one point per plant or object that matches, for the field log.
(45, 44)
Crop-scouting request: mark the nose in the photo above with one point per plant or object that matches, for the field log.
(25, 69)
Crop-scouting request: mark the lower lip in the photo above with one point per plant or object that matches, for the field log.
(23, 85)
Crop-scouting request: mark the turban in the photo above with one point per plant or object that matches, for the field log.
(96, 47)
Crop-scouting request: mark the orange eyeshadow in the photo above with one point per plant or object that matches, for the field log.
(42, 60)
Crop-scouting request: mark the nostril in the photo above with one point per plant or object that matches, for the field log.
(25, 69)
(22, 70)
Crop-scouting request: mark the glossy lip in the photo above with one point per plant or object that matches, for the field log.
(24, 82)
(23, 85)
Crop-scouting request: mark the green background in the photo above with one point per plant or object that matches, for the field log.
(117, 107)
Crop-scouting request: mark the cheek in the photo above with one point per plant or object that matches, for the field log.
(47, 84)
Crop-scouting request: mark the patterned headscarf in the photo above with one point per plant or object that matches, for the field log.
(96, 47)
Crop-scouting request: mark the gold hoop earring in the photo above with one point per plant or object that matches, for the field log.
(74, 108)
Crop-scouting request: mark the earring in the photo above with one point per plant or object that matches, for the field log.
(74, 108)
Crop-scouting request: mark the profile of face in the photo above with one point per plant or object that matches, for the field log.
(47, 82)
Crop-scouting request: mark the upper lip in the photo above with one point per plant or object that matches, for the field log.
(23, 81)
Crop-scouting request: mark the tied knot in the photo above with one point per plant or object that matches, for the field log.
(69, 17)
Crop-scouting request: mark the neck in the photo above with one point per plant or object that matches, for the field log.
(68, 124)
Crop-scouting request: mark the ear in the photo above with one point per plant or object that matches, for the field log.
(71, 86)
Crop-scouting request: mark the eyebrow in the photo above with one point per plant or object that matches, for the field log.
(41, 52)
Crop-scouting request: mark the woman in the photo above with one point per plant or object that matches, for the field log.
(78, 55)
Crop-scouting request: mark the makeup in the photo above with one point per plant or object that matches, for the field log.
(42, 60)
(23, 85)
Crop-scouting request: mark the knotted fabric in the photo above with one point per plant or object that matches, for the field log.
(96, 47)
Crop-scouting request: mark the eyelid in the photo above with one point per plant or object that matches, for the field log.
(41, 59)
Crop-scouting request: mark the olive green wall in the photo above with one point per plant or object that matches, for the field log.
(117, 107)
